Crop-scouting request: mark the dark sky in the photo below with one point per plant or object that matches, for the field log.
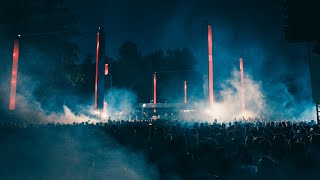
(252, 29)
(177, 23)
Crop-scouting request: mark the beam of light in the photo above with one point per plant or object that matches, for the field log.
(210, 64)
(106, 69)
(15, 60)
(243, 105)
(97, 69)
(185, 92)
(154, 88)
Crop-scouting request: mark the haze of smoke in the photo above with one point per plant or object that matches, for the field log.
(229, 107)
(120, 102)
(32, 112)
(282, 105)
(60, 153)
(63, 153)
(308, 114)
(274, 102)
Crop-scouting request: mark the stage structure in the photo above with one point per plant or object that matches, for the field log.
(15, 60)
(243, 105)
(314, 59)
(163, 105)
(100, 70)
(210, 67)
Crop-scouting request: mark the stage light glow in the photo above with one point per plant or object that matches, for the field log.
(210, 65)
(104, 115)
(97, 68)
(95, 112)
(15, 60)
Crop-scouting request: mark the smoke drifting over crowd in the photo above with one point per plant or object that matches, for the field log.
(121, 100)
(229, 107)
(62, 153)
(275, 103)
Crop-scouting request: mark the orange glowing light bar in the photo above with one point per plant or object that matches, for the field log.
(243, 105)
(210, 63)
(106, 69)
(97, 65)
(185, 92)
(154, 88)
(15, 60)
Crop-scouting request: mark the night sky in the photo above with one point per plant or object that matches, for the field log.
(252, 29)
(173, 23)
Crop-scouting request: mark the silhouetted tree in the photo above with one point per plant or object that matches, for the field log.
(180, 59)
(88, 69)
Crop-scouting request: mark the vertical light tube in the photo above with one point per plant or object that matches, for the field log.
(15, 60)
(154, 88)
(243, 105)
(106, 69)
(97, 69)
(185, 92)
(210, 64)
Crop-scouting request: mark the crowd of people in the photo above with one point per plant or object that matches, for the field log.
(201, 150)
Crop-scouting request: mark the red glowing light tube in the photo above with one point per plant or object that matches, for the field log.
(243, 105)
(210, 64)
(185, 92)
(97, 69)
(15, 60)
(106, 69)
(154, 88)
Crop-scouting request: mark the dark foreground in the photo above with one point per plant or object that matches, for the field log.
(161, 150)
